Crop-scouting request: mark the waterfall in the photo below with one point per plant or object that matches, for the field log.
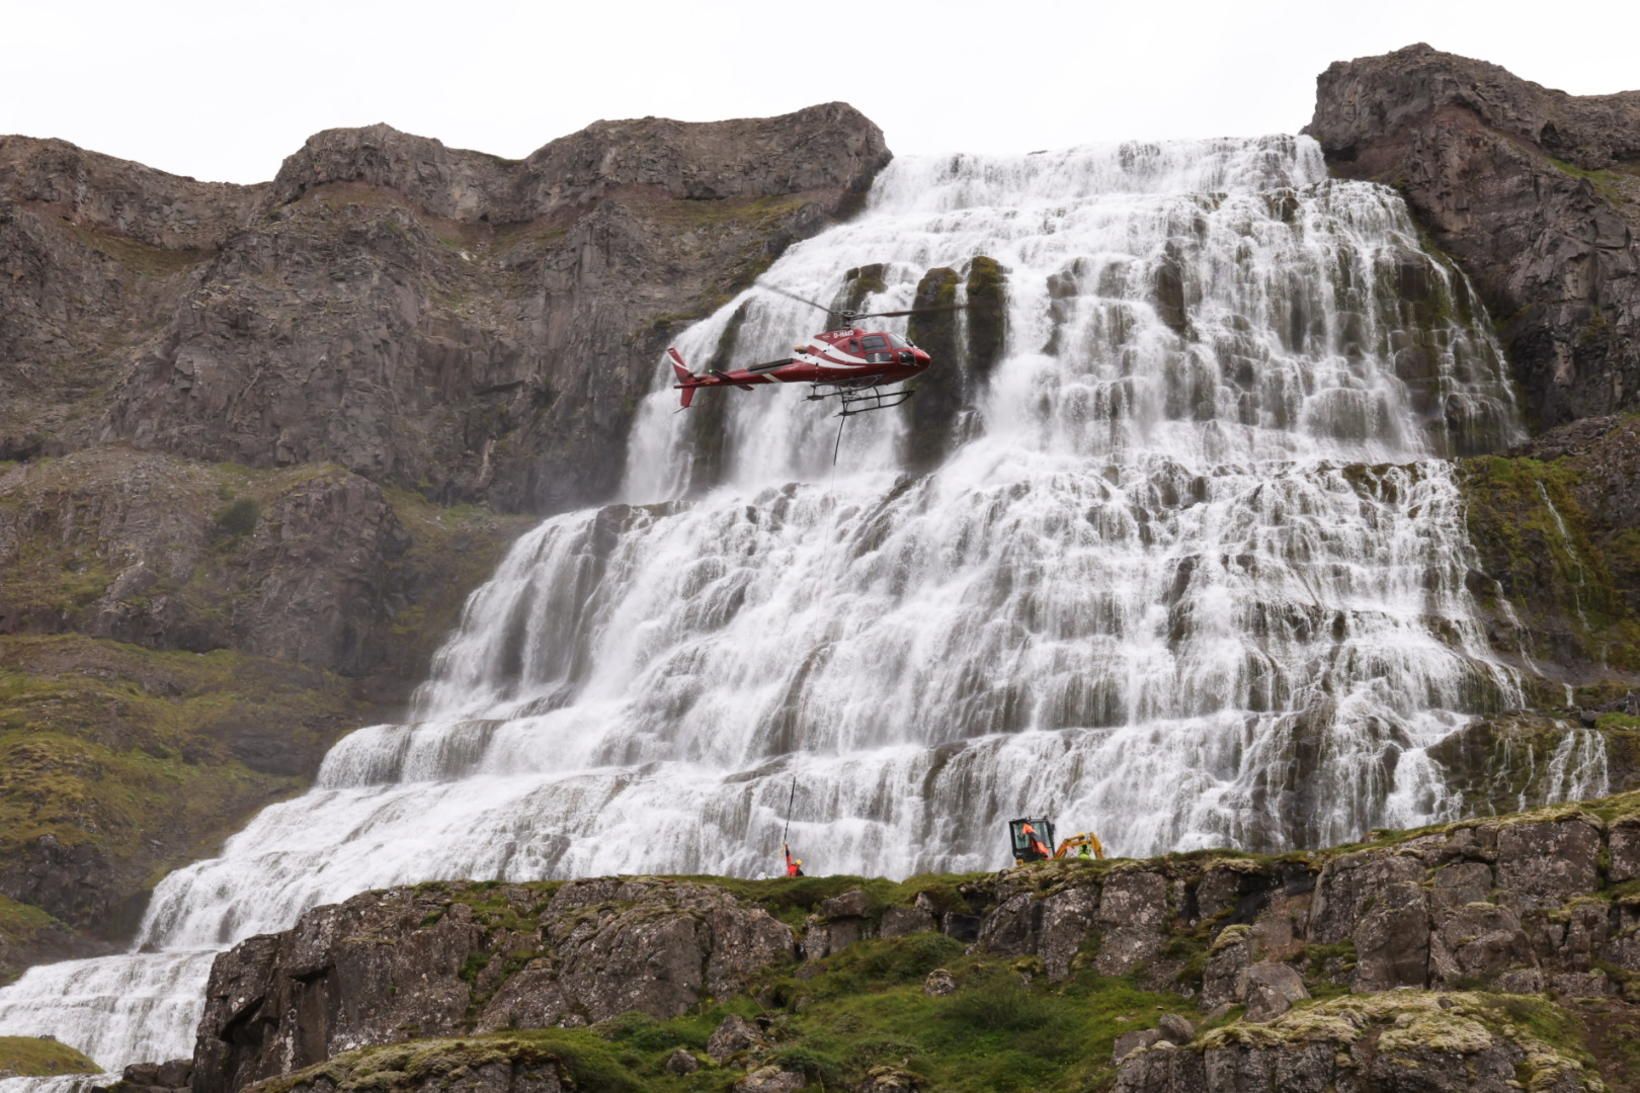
(1191, 575)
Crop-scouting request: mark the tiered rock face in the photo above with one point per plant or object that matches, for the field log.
(428, 317)
(260, 394)
(1411, 927)
(1553, 526)
(1535, 192)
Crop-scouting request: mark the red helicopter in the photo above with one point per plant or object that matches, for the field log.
(858, 367)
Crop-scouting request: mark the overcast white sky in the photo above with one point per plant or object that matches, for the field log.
(225, 90)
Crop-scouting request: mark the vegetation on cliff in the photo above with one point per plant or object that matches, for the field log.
(29, 1057)
(179, 644)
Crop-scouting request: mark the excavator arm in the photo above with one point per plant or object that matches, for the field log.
(1087, 838)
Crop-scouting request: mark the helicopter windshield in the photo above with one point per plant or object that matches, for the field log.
(895, 341)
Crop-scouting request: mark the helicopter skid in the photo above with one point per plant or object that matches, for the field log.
(854, 401)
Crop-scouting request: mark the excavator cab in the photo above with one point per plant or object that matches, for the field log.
(1032, 839)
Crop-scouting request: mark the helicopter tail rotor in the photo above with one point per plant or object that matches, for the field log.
(687, 380)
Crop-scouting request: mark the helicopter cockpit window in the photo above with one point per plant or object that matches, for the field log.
(876, 341)
(895, 341)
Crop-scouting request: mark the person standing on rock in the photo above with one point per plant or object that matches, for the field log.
(794, 866)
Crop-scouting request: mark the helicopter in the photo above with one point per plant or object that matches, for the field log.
(858, 367)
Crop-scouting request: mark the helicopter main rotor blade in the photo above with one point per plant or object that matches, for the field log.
(794, 296)
(913, 311)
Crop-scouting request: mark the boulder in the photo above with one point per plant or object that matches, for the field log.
(1271, 990)
(733, 1036)
(1129, 1042)
(900, 921)
(770, 1079)
(1176, 1029)
(888, 1079)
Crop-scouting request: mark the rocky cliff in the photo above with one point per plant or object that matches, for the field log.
(431, 318)
(254, 440)
(1536, 194)
(1474, 955)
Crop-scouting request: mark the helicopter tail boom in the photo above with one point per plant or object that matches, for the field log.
(687, 380)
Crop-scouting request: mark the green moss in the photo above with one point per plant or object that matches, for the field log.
(29, 1057)
(236, 519)
(1610, 185)
(1534, 538)
(137, 256)
(987, 297)
(130, 751)
(587, 1059)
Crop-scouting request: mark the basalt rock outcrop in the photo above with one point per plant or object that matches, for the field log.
(1536, 194)
(438, 319)
(1435, 939)
(440, 960)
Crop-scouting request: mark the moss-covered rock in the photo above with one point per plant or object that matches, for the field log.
(1524, 758)
(179, 644)
(1400, 1040)
(987, 315)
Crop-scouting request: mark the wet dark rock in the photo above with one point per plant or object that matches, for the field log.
(987, 315)
(962, 926)
(1536, 194)
(1559, 580)
(942, 389)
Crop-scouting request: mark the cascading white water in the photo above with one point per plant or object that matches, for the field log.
(1185, 581)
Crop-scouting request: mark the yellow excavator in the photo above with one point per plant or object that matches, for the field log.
(1032, 840)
